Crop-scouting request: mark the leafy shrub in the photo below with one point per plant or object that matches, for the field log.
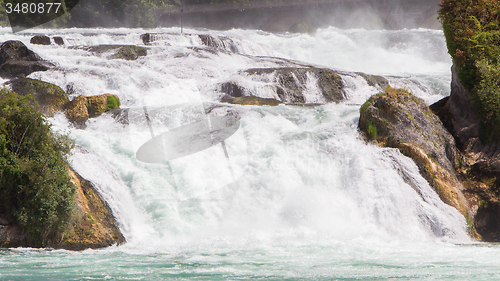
(34, 184)
(473, 38)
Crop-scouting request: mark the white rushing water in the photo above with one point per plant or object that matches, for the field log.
(297, 181)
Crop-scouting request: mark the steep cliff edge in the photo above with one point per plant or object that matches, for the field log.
(480, 170)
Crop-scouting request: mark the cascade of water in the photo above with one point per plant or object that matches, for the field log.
(299, 174)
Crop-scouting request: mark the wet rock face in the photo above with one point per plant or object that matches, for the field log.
(219, 42)
(291, 85)
(397, 119)
(16, 60)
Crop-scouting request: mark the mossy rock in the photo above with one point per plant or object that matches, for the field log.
(76, 110)
(50, 97)
(251, 100)
(395, 118)
(99, 104)
(130, 52)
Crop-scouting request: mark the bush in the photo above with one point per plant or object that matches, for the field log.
(472, 35)
(35, 187)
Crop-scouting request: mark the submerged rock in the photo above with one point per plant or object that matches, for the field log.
(50, 97)
(250, 100)
(16, 60)
(126, 52)
(398, 119)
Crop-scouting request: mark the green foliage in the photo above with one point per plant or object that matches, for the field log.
(113, 102)
(372, 131)
(34, 184)
(473, 38)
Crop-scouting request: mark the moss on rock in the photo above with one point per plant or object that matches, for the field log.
(82, 108)
(50, 97)
(404, 121)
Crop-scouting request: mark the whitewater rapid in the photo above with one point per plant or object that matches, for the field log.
(293, 175)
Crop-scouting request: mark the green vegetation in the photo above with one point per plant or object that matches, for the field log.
(113, 102)
(371, 131)
(35, 187)
(473, 37)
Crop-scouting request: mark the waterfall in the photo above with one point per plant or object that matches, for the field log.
(289, 175)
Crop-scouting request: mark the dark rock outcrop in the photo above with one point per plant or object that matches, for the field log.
(50, 97)
(16, 60)
(480, 168)
(400, 120)
(40, 40)
(291, 85)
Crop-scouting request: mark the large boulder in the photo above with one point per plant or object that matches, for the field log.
(398, 119)
(16, 60)
(50, 97)
(99, 104)
(76, 110)
(289, 85)
(80, 109)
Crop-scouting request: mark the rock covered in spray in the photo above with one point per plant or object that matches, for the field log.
(291, 85)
